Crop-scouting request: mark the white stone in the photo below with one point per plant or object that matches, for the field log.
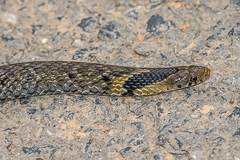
(9, 18)
(44, 40)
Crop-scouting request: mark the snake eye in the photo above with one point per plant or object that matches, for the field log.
(195, 79)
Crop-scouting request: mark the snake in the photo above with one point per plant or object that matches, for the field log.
(39, 78)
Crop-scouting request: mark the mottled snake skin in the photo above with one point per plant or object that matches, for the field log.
(28, 79)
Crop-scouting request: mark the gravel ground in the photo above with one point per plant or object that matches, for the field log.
(202, 122)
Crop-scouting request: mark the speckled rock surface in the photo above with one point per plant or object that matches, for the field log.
(202, 122)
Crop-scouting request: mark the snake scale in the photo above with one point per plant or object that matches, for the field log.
(28, 79)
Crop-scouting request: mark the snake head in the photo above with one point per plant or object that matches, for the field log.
(189, 76)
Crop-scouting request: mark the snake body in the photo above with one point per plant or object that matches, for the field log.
(28, 79)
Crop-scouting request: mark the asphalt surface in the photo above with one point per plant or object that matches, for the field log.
(201, 122)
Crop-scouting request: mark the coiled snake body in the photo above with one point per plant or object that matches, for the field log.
(57, 77)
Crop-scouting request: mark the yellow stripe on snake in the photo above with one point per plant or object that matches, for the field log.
(22, 80)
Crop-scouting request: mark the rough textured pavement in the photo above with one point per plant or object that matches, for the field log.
(202, 122)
